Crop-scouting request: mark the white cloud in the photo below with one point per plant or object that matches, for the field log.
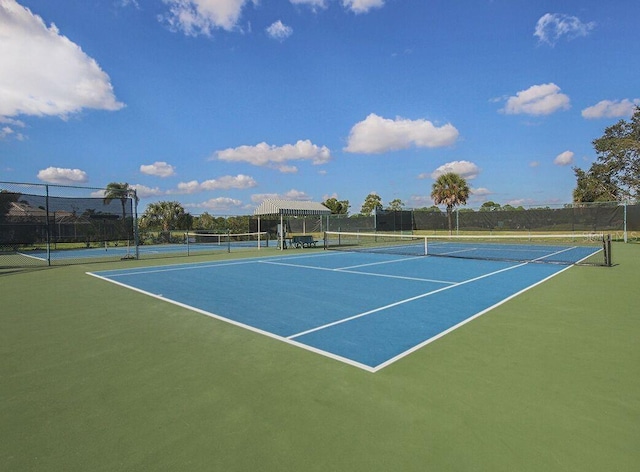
(227, 182)
(611, 109)
(292, 194)
(279, 31)
(520, 202)
(553, 26)
(159, 169)
(57, 175)
(420, 201)
(376, 135)
(541, 99)
(311, 3)
(5, 131)
(465, 169)
(43, 73)
(217, 204)
(194, 17)
(9, 130)
(276, 157)
(133, 3)
(481, 192)
(534, 164)
(362, 6)
(564, 159)
(142, 191)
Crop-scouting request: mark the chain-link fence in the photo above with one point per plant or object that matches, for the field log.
(53, 224)
(619, 219)
(607, 217)
(44, 225)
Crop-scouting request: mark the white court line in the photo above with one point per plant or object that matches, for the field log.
(383, 262)
(346, 360)
(293, 342)
(417, 297)
(32, 257)
(158, 269)
(195, 265)
(371, 274)
(463, 322)
(401, 302)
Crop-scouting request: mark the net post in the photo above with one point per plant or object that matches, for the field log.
(324, 240)
(186, 235)
(426, 246)
(228, 241)
(607, 251)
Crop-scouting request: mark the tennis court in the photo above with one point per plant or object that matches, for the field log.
(193, 244)
(99, 377)
(365, 309)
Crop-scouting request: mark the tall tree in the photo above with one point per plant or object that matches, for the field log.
(165, 215)
(594, 185)
(395, 205)
(371, 203)
(337, 207)
(616, 172)
(118, 191)
(490, 206)
(204, 221)
(451, 190)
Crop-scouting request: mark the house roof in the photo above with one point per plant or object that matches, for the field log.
(291, 208)
(22, 209)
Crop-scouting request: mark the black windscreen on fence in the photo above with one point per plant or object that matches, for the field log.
(597, 218)
(38, 228)
(34, 219)
(633, 217)
(401, 220)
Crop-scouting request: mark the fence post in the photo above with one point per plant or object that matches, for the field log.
(136, 234)
(48, 226)
(625, 222)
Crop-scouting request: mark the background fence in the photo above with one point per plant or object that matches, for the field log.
(42, 224)
(621, 220)
(52, 224)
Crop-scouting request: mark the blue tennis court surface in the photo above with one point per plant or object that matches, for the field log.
(124, 251)
(367, 310)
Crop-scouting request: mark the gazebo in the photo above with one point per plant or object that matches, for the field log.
(275, 207)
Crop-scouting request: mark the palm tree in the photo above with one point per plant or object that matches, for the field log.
(166, 215)
(451, 190)
(118, 191)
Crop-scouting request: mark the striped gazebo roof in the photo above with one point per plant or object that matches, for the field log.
(291, 208)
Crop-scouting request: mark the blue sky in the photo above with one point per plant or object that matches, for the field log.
(219, 104)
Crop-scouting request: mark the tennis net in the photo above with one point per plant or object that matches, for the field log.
(196, 241)
(587, 249)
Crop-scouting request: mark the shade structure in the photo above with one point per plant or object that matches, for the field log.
(290, 208)
(282, 208)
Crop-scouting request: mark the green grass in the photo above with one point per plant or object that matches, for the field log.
(94, 377)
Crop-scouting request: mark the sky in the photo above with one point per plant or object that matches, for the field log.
(220, 104)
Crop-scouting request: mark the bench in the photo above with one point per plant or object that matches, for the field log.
(303, 241)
